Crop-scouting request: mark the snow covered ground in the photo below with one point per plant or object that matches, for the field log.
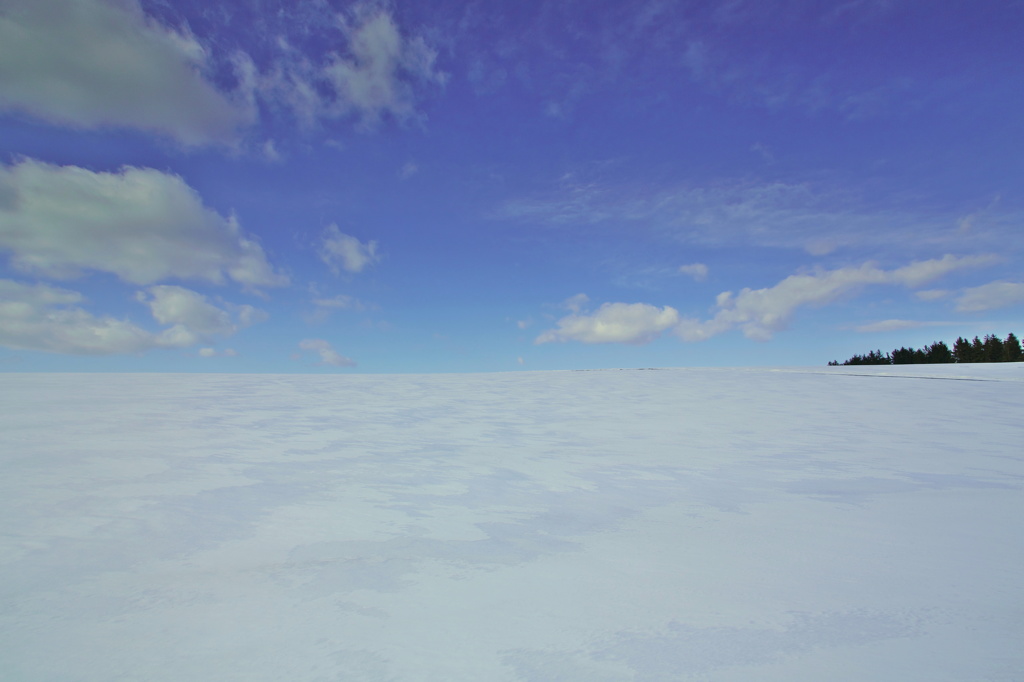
(683, 524)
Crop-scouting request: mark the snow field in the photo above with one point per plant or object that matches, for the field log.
(623, 525)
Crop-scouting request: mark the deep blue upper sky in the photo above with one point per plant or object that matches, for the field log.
(280, 185)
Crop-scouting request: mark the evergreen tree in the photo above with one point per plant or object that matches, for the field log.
(962, 350)
(874, 357)
(993, 348)
(1011, 349)
(977, 350)
(903, 356)
(939, 352)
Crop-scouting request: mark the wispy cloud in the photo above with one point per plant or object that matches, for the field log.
(931, 294)
(324, 307)
(341, 251)
(772, 214)
(895, 325)
(990, 296)
(340, 302)
(698, 271)
(760, 313)
(408, 169)
(326, 353)
(576, 303)
(377, 76)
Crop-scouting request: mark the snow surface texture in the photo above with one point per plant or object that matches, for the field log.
(603, 526)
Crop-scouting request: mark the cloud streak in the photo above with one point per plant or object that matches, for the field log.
(990, 296)
(895, 325)
(760, 313)
(816, 220)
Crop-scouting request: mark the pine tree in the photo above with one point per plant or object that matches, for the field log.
(977, 350)
(1011, 349)
(962, 350)
(939, 352)
(875, 357)
(993, 348)
(903, 356)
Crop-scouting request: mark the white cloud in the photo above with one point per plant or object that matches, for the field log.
(698, 271)
(990, 296)
(177, 305)
(759, 313)
(344, 251)
(46, 318)
(139, 224)
(328, 356)
(93, 63)
(636, 323)
(207, 352)
(191, 315)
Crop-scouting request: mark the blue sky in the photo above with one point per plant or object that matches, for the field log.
(272, 186)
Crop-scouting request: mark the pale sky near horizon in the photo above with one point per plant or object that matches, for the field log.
(276, 186)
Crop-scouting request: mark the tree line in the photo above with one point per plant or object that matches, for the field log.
(989, 349)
